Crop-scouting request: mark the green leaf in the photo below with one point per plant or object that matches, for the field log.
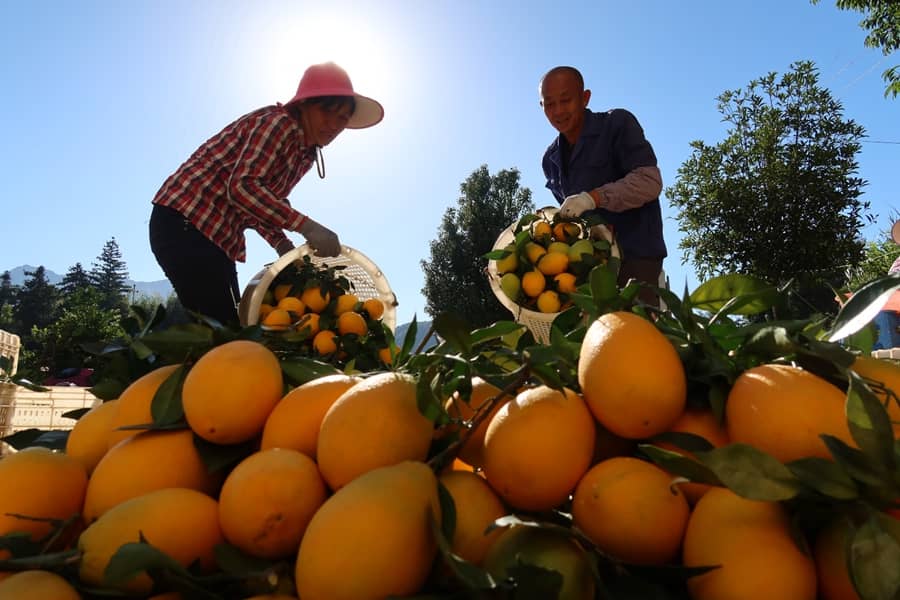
(234, 562)
(862, 307)
(77, 413)
(497, 254)
(134, 558)
(409, 339)
(299, 370)
(751, 473)
(166, 407)
(496, 331)
(141, 350)
(875, 560)
(19, 544)
(534, 583)
(824, 476)
(22, 439)
(448, 511)
(180, 341)
(108, 389)
(680, 465)
(470, 576)
(869, 422)
(856, 463)
(603, 284)
(426, 401)
(771, 341)
(220, 457)
(455, 331)
(684, 440)
(714, 294)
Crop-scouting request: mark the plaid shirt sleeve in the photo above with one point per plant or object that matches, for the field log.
(267, 149)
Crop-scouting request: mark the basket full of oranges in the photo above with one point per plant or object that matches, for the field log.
(539, 261)
(336, 309)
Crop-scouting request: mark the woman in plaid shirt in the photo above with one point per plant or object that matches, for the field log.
(240, 178)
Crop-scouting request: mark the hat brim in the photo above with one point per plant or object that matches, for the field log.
(368, 112)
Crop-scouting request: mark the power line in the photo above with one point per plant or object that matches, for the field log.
(879, 142)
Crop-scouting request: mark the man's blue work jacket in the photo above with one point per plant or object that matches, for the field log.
(611, 144)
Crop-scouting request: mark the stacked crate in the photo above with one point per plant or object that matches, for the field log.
(21, 408)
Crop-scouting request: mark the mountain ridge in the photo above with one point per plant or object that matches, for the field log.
(161, 287)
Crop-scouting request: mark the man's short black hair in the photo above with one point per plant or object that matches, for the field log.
(565, 69)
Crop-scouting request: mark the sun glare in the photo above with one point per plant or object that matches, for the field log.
(364, 51)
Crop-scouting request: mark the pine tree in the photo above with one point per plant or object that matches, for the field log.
(455, 277)
(36, 302)
(109, 275)
(75, 279)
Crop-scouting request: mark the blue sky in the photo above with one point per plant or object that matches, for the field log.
(103, 100)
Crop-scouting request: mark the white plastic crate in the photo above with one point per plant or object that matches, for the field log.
(9, 347)
(21, 408)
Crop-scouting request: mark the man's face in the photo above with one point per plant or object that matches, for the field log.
(564, 102)
(323, 124)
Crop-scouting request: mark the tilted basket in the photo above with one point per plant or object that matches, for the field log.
(538, 323)
(367, 279)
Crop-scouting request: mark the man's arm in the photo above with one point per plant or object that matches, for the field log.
(640, 186)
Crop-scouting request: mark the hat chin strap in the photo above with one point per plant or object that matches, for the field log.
(320, 162)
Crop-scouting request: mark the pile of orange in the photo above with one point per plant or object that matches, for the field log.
(316, 310)
(337, 479)
(547, 261)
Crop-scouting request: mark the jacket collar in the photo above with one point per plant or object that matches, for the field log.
(590, 128)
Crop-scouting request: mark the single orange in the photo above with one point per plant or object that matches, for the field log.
(324, 342)
(352, 322)
(345, 303)
(315, 299)
(292, 304)
(374, 308)
(784, 410)
(278, 319)
(538, 446)
(629, 508)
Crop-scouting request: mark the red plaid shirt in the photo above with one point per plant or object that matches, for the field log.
(240, 178)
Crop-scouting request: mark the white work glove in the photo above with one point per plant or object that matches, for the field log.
(324, 241)
(573, 206)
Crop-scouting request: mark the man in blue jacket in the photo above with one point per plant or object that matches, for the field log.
(602, 163)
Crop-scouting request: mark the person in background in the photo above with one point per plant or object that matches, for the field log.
(601, 163)
(240, 178)
(888, 318)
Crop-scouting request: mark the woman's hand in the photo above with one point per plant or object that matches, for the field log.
(324, 241)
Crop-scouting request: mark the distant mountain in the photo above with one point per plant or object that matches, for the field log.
(422, 328)
(161, 288)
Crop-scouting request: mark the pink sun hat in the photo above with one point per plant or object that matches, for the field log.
(328, 79)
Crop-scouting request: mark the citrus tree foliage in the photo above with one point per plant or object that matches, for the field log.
(109, 275)
(82, 320)
(779, 197)
(877, 261)
(882, 22)
(455, 275)
(7, 300)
